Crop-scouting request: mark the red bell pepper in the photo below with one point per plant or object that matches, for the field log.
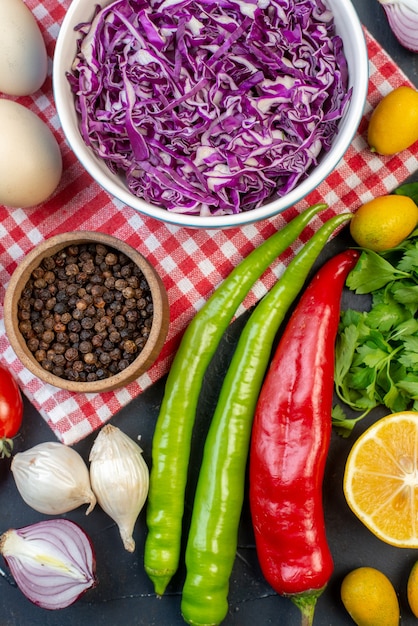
(290, 441)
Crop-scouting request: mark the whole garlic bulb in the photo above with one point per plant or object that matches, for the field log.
(119, 478)
(53, 478)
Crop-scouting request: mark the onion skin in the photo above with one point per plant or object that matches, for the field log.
(52, 562)
(402, 16)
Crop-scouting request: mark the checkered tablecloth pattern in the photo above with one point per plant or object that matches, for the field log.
(191, 262)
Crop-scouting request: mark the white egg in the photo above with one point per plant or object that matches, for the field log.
(23, 56)
(30, 158)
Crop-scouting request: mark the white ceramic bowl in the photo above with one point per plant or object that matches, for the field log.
(348, 27)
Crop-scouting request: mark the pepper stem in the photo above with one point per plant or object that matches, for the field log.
(306, 602)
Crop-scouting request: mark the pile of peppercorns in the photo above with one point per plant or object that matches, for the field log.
(86, 312)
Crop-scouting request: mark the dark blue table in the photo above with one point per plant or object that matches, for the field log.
(124, 596)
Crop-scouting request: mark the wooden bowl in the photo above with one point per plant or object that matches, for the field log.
(154, 342)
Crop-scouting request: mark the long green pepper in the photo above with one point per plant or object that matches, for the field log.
(173, 433)
(213, 535)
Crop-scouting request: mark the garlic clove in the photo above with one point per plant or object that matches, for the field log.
(52, 478)
(120, 479)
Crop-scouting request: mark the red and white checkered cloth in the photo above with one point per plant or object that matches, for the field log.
(191, 262)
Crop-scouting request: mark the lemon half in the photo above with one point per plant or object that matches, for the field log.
(381, 479)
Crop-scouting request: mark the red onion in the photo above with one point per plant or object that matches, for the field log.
(402, 16)
(52, 562)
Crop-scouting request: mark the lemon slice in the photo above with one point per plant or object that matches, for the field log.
(381, 479)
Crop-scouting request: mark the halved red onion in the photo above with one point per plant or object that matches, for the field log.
(52, 562)
(402, 16)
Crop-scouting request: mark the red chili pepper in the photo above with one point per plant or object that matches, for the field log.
(290, 441)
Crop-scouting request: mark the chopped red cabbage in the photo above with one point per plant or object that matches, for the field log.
(210, 107)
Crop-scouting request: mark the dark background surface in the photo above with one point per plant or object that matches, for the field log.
(124, 595)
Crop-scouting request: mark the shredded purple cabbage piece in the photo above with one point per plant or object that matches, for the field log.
(210, 107)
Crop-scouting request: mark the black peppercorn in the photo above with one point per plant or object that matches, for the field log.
(60, 307)
(50, 303)
(97, 341)
(114, 336)
(71, 354)
(33, 344)
(59, 359)
(74, 338)
(120, 321)
(85, 346)
(87, 323)
(78, 314)
(111, 258)
(25, 327)
(86, 312)
(105, 358)
(90, 358)
(48, 336)
(62, 338)
(40, 355)
(47, 365)
(129, 346)
(66, 318)
(40, 283)
(71, 269)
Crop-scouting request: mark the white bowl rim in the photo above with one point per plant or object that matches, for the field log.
(271, 209)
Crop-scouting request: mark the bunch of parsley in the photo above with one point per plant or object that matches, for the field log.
(376, 359)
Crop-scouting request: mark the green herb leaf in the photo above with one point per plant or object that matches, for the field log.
(385, 317)
(410, 386)
(376, 357)
(408, 189)
(404, 329)
(409, 261)
(343, 425)
(344, 350)
(372, 356)
(407, 295)
(409, 356)
(372, 272)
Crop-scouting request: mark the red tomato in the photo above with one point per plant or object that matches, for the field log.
(11, 405)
